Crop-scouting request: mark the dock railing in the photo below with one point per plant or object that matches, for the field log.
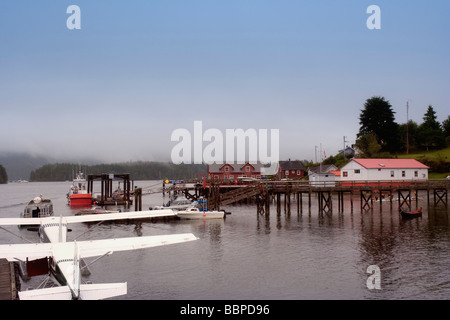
(338, 186)
(224, 192)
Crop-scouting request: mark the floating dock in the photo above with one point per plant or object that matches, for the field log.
(107, 197)
(9, 280)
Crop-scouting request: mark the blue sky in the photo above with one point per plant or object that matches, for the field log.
(137, 70)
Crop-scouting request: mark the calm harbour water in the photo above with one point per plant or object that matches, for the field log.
(252, 256)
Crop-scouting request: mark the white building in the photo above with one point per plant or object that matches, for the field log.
(325, 179)
(384, 170)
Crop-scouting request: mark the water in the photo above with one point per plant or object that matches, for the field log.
(251, 256)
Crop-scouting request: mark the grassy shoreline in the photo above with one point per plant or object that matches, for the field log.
(435, 155)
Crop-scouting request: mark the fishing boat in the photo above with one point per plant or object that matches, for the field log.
(78, 195)
(198, 211)
(411, 214)
(39, 207)
(178, 203)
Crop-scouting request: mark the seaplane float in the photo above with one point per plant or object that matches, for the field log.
(63, 257)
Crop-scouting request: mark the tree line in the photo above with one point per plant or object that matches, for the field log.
(140, 170)
(380, 136)
(3, 175)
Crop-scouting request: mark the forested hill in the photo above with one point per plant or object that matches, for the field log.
(137, 170)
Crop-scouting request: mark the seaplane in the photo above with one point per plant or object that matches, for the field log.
(63, 257)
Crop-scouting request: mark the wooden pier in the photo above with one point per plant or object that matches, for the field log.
(220, 193)
(9, 281)
(106, 193)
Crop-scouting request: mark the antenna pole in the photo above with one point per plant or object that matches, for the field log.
(407, 133)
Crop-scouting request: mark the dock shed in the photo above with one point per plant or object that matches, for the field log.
(384, 170)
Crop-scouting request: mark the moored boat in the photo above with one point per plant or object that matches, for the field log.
(411, 214)
(199, 211)
(78, 195)
(194, 213)
(178, 203)
(39, 207)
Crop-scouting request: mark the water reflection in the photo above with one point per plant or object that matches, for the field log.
(413, 255)
(280, 255)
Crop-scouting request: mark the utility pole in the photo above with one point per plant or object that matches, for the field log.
(407, 134)
(315, 153)
(343, 150)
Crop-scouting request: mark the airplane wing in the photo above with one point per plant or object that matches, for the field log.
(90, 248)
(32, 251)
(21, 221)
(89, 217)
(121, 216)
(100, 247)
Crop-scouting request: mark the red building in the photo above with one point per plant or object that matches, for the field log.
(233, 171)
(291, 169)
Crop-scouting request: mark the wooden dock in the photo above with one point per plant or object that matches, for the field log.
(106, 197)
(9, 281)
(262, 192)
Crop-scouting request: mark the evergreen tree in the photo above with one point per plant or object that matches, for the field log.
(446, 127)
(377, 117)
(430, 133)
(368, 145)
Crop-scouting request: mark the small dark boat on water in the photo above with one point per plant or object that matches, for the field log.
(411, 214)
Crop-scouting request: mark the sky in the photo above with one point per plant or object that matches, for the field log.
(115, 89)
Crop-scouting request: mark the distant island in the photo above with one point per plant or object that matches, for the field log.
(140, 170)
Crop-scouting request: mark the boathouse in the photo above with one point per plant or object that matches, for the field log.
(323, 179)
(233, 171)
(291, 169)
(384, 170)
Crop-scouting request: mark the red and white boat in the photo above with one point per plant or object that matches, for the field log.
(78, 195)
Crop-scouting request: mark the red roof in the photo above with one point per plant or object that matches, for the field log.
(335, 172)
(391, 163)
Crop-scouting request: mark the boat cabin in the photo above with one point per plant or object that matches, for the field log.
(38, 208)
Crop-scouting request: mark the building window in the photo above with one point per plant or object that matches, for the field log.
(345, 174)
(403, 174)
(299, 172)
(227, 169)
(247, 169)
(392, 173)
(416, 173)
(286, 172)
(357, 171)
(231, 176)
(226, 177)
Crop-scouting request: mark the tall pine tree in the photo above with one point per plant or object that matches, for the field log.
(377, 118)
(431, 135)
